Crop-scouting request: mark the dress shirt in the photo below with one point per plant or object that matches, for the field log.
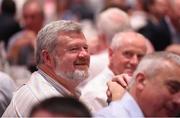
(97, 63)
(7, 87)
(126, 107)
(39, 87)
(94, 92)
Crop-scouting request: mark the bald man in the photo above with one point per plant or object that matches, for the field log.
(125, 52)
(153, 92)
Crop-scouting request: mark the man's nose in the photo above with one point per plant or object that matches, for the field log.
(176, 98)
(134, 60)
(83, 52)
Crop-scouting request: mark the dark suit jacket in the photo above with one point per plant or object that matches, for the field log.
(8, 26)
(158, 34)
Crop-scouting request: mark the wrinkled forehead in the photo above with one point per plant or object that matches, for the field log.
(70, 37)
(170, 70)
(135, 41)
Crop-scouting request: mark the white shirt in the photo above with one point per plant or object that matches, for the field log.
(126, 107)
(7, 87)
(97, 63)
(39, 87)
(94, 92)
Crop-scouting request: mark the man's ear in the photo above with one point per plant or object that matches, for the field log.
(110, 53)
(47, 58)
(141, 81)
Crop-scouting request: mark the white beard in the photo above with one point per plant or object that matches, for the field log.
(76, 75)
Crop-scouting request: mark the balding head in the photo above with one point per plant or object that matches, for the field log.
(156, 85)
(126, 50)
(128, 37)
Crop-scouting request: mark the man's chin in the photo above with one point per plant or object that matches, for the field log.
(80, 74)
(77, 74)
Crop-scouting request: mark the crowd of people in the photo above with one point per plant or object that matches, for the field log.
(90, 58)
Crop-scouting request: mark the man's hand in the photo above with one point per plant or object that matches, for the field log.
(117, 86)
(122, 79)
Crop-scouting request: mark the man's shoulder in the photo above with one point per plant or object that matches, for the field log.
(35, 90)
(21, 103)
(5, 79)
(37, 87)
(115, 109)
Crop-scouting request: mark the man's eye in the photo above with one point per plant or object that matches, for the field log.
(173, 90)
(140, 57)
(75, 49)
(173, 87)
(86, 48)
(128, 54)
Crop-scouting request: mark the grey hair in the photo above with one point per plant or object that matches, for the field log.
(47, 36)
(111, 21)
(120, 37)
(151, 64)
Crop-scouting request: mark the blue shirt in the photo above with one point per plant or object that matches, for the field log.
(127, 107)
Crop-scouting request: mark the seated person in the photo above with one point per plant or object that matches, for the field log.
(154, 91)
(7, 88)
(60, 107)
(125, 52)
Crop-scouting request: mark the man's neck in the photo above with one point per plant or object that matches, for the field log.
(66, 83)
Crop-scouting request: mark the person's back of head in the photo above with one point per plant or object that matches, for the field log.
(60, 107)
(8, 7)
(111, 21)
(156, 85)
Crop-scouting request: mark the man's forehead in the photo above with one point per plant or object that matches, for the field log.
(133, 49)
(71, 34)
(134, 41)
(71, 37)
(171, 72)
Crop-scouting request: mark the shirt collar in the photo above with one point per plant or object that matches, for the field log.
(55, 84)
